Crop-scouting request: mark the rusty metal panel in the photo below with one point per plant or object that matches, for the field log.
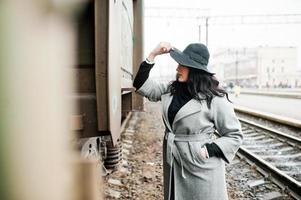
(88, 113)
(114, 71)
(84, 24)
(127, 21)
(101, 63)
(126, 105)
(85, 80)
(84, 74)
(137, 48)
(114, 62)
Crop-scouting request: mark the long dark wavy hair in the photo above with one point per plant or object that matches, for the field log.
(201, 82)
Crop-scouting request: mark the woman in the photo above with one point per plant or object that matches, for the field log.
(194, 107)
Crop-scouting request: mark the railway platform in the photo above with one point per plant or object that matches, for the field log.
(281, 92)
(284, 107)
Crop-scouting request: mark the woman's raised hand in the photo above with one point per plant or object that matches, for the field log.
(161, 48)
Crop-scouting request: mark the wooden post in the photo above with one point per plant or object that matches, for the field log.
(36, 55)
(89, 182)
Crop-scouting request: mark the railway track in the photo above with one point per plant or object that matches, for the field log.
(252, 175)
(275, 154)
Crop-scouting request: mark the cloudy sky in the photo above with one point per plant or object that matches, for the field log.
(181, 23)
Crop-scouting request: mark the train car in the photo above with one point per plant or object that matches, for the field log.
(108, 52)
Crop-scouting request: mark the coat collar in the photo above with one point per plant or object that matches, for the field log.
(166, 101)
(191, 107)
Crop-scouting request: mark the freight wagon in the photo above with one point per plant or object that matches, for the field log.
(108, 52)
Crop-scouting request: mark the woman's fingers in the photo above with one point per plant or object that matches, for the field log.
(161, 48)
(165, 46)
(204, 152)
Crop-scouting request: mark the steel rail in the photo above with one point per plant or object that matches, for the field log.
(275, 175)
(278, 134)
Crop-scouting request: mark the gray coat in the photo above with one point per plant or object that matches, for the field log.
(195, 178)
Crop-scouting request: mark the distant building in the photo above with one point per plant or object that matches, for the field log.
(261, 67)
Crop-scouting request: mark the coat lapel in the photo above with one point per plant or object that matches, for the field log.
(166, 101)
(191, 107)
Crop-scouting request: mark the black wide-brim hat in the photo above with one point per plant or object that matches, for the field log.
(195, 55)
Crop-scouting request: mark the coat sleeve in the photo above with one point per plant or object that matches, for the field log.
(228, 126)
(153, 90)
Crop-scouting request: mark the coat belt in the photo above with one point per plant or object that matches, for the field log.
(172, 151)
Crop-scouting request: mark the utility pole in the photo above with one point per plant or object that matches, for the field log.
(236, 67)
(200, 38)
(207, 26)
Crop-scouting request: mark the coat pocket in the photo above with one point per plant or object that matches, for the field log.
(195, 149)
